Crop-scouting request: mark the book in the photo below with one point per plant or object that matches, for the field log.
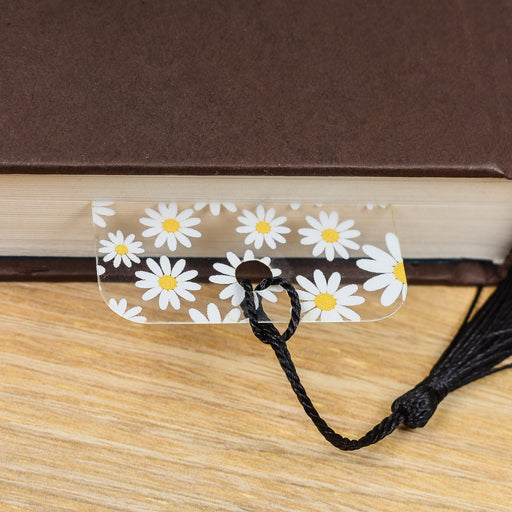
(401, 103)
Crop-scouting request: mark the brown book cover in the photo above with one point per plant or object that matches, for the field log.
(324, 88)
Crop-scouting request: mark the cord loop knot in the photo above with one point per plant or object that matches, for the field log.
(266, 332)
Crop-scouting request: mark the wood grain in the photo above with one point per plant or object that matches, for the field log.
(98, 413)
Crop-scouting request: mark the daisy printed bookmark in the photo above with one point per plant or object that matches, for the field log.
(184, 261)
(226, 262)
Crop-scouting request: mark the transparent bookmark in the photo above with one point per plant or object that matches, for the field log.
(183, 262)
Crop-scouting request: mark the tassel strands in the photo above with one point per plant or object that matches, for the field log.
(482, 344)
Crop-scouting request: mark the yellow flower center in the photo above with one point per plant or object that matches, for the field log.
(330, 235)
(170, 225)
(325, 301)
(263, 227)
(167, 283)
(121, 249)
(399, 272)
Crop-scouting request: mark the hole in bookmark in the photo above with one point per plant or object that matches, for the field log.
(253, 270)
(182, 262)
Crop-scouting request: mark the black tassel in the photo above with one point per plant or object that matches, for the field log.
(482, 343)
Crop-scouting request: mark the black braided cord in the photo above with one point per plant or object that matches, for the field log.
(268, 333)
(480, 345)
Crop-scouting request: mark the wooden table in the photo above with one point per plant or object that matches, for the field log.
(98, 413)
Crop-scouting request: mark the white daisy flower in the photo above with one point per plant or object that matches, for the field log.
(329, 235)
(390, 268)
(99, 210)
(262, 227)
(100, 270)
(215, 207)
(132, 314)
(170, 226)
(167, 282)
(294, 206)
(213, 315)
(121, 249)
(234, 289)
(325, 299)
